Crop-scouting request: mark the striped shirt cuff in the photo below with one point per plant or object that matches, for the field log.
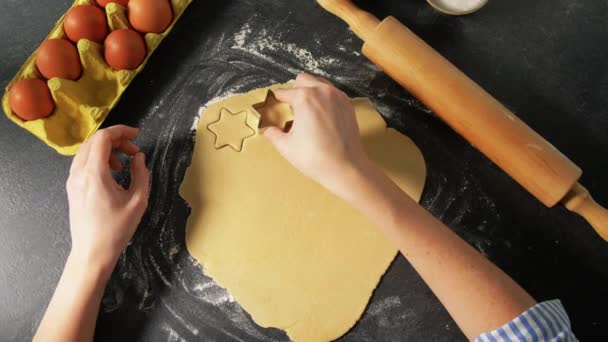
(546, 321)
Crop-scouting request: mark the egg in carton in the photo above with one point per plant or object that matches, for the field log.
(81, 106)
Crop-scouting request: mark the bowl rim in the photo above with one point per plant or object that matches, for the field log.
(451, 12)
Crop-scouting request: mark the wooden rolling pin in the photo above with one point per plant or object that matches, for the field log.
(488, 125)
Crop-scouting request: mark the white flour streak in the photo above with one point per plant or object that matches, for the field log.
(242, 320)
(241, 36)
(160, 272)
(383, 305)
(194, 126)
(202, 287)
(480, 247)
(157, 107)
(187, 325)
(223, 96)
(173, 335)
(194, 262)
(263, 45)
(144, 298)
(173, 251)
(208, 290)
(212, 293)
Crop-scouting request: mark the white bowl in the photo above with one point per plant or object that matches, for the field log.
(441, 6)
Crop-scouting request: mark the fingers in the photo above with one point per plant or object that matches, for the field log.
(103, 143)
(140, 181)
(80, 159)
(128, 147)
(115, 164)
(303, 80)
(286, 95)
(277, 137)
(308, 80)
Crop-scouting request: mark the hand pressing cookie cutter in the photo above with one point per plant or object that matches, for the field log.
(232, 129)
(272, 112)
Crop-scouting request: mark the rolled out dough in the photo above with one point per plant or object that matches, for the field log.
(293, 255)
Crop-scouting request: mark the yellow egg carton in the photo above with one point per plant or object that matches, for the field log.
(81, 106)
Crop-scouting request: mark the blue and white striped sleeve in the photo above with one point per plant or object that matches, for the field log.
(546, 321)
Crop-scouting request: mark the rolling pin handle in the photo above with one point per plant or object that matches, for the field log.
(472, 112)
(579, 200)
(361, 22)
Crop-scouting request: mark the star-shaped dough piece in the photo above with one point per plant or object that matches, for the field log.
(231, 130)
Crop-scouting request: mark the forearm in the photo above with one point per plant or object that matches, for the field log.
(478, 295)
(103, 218)
(72, 312)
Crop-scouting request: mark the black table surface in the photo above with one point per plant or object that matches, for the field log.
(547, 60)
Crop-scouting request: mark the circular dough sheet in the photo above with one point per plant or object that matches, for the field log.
(292, 254)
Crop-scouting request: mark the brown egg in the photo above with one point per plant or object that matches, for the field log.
(150, 16)
(58, 58)
(31, 99)
(86, 22)
(104, 3)
(124, 49)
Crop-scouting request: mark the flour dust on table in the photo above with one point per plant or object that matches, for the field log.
(308, 267)
(156, 282)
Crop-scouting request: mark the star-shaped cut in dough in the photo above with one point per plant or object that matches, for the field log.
(274, 113)
(231, 130)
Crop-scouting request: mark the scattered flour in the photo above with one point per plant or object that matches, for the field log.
(223, 96)
(173, 336)
(194, 126)
(212, 293)
(238, 62)
(174, 251)
(272, 50)
(202, 287)
(207, 289)
(263, 45)
(188, 326)
(378, 307)
(144, 299)
(160, 273)
(389, 313)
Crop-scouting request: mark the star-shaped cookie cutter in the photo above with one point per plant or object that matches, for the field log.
(271, 112)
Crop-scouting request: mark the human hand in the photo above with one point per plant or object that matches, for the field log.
(324, 141)
(103, 215)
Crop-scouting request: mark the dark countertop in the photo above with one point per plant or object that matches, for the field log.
(546, 60)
